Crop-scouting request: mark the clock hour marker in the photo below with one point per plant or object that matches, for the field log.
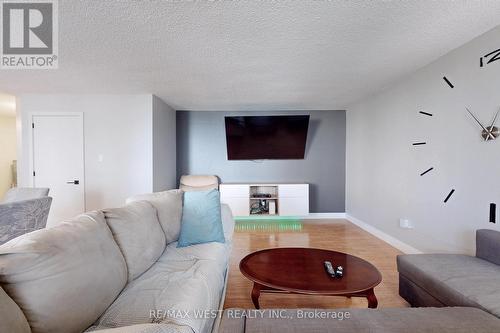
(426, 171)
(449, 195)
(493, 213)
(426, 113)
(419, 143)
(448, 81)
(493, 56)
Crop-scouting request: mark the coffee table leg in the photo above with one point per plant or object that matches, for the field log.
(372, 299)
(255, 295)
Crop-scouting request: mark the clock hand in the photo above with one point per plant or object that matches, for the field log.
(494, 120)
(484, 128)
(492, 129)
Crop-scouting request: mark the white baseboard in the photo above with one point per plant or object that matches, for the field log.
(403, 247)
(325, 216)
(311, 216)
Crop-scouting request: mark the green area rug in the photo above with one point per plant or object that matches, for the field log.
(268, 224)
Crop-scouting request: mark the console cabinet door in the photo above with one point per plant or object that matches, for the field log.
(293, 190)
(237, 197)
(293, 199)
(239, 206)
(293, 207)
(234, 191)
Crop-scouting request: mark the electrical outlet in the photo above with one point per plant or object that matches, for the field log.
(405, 224)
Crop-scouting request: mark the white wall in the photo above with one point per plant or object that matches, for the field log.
(7, 151)
(164, 146)
(383, 168)
(118, 127)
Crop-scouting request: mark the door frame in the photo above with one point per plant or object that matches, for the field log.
(31, 140)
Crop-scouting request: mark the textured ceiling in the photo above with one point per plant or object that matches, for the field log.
(250, 55)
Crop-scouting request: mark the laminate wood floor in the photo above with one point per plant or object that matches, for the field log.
(336, 234)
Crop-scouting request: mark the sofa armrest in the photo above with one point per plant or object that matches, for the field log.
(488, 245)
(12, 319)
(227, 222)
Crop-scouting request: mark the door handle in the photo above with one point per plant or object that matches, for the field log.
(75, 182)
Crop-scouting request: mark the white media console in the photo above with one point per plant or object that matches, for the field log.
(262, 199)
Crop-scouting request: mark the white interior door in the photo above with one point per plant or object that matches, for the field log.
(58, 162)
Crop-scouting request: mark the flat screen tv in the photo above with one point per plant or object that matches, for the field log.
(266, 137)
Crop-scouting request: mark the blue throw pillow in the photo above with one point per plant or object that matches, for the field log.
(201, 219)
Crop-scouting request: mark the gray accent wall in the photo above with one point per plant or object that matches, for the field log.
(201, 149)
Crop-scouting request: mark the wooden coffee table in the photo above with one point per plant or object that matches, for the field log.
(301, 271)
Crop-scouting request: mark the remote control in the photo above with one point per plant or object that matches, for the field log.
(329, 268)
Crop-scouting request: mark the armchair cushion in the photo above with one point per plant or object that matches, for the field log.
(198, 183)
(25, 193)
(20, 217)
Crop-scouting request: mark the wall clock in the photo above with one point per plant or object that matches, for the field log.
(489, 131)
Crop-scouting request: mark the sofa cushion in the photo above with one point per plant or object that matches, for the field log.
(455, 280)
(488, 245)
(183, 279)
(169, 207)
(416, 296)
(63, 278)
(12, 319)
(201, 218)
(149, 328)
(139, 235)
(407, 320)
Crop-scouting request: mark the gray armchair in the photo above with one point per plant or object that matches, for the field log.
(20, 217)
(25, 193)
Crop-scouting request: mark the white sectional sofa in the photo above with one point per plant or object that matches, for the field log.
(115, 270)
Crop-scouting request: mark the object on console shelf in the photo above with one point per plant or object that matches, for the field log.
(259, 207)
(272, 207)
(261, 195)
